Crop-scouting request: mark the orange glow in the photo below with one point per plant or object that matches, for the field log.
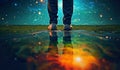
(79, 60)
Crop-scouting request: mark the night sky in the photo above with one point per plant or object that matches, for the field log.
(34, 12)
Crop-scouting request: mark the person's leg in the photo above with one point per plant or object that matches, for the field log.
(53, 10)
(67, 11)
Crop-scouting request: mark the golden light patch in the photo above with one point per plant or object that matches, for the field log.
(79, 60)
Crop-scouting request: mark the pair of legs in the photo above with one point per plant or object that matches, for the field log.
(67, 11)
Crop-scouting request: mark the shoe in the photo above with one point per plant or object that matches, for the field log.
(52, 27)
(67, 27)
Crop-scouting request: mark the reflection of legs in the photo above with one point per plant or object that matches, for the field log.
(67, 51)
(53, 58)
(53, 43)
(68, 48)
(68, 11)
(52, 10)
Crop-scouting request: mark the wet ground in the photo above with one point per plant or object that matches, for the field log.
(60, 50)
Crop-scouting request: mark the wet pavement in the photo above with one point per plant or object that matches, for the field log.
(60, 50)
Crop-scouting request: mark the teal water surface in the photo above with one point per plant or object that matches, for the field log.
(60, 50)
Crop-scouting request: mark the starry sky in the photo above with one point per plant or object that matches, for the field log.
(34, 12)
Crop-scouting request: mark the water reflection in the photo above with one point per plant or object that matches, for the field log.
(47, 60)
(53, 49)
(61, 50)
(66, 59)
(50, 59)
(76, 58)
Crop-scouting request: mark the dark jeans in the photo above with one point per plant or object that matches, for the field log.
(67, 11)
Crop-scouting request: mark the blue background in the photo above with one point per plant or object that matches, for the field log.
(34, 12)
